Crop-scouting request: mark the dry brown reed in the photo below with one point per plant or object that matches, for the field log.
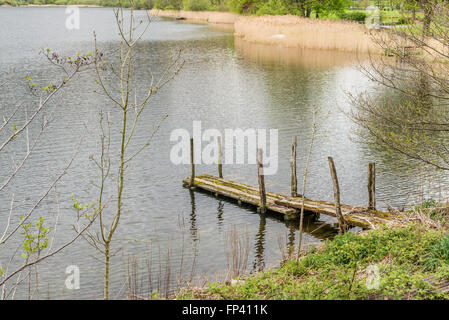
(167, 277)
(288, 30)
(237, 252)
(293, 31)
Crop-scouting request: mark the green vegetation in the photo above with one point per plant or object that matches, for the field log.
(138, 4)
(404, 259)
(391, 11)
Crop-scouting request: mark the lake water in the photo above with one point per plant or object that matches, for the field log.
(225, 83)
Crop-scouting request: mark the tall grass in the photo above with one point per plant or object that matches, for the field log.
(292, 31)
(237, 252)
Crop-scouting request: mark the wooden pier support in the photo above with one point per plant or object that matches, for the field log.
(192, 165)
(372, 186)
(220, 158)
(341, 220)
(294, 180)
(261, 179)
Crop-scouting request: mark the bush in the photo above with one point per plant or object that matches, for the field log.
(159, 4)
(358, 16)
(110, 3)
(196, 5)
(403, 20)
(243, 6)
(272, 7)
(141, 4)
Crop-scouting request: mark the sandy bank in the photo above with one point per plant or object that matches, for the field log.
(289, 30)
(203, 16)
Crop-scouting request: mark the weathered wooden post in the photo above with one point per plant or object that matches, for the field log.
(341, 220)
(192, 164)
(294, 181)
(220, 158)
(260, 174)
(372, 186)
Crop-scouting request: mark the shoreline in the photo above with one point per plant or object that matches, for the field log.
(55, 5)
(287, 31)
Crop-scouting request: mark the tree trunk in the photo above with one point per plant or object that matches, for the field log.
(106, 270)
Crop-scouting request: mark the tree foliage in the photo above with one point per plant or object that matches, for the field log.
(416, 123)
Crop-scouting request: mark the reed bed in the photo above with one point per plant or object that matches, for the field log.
(293, 31)
(288, 30)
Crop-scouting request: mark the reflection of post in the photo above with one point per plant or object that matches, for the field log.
(259, 262)
(291, 239)
(192, 164)
(220, 213)
(193, 227)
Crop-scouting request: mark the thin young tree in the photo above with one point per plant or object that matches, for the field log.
(304, 180)
(123, 95)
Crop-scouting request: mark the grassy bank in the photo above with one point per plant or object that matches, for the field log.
(408, 260)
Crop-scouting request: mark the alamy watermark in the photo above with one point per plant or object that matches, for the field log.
(372, 20)
(72, 21)
(72, 282)
(373, 277)
(206, 147)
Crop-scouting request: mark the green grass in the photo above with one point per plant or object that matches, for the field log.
(404, 257)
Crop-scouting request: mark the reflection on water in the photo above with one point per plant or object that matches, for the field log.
(220, 214)
(193, 227)
(297, 57)
(259, 262)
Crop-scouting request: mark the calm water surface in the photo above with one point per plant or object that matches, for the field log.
(226, 83)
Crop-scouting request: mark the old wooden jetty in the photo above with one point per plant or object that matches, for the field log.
(288, 206)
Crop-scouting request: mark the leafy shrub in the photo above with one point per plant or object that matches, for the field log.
(159, 4)
(196, 5)
(403, 20)
(358, 16)
(141, 4)
(272, 7)
(243, 6)
(439, 254)
(110, 3)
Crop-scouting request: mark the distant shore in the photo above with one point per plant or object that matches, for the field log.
(56, 5)
(287, 31)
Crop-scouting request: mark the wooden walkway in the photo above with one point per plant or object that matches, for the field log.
(289, 207)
